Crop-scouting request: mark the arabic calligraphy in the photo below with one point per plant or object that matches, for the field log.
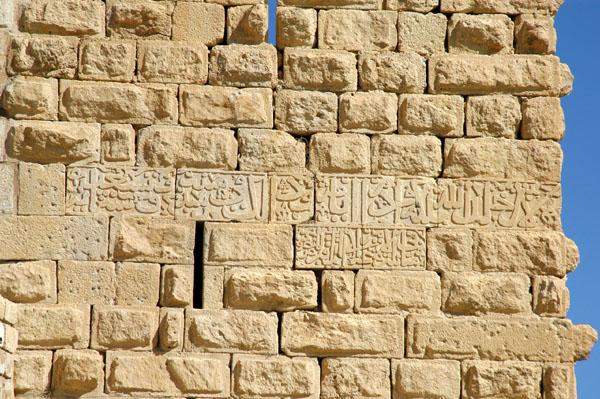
(292, 198)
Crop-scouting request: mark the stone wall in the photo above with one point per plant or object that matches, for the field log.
(369, 210)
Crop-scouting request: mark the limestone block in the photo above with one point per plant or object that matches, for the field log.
(171, 328)
(53, 142)
(118, 102)
(243, 66)
(10, 339)
(524, 75)
(270, 290)
(118, 144)
(138, 283)
(406, 155)
(53, 237)
(31, 98)
(274, 376)
(503, 158)
(391, 71)
(107, 60)
(543, 119)
(212, 106)
(7, 14)
(412, 5)
(247, 24)
(32, 371)
(425, 379)
(47, 326)
(316, 69)
(205, 375)
(142, 239)
(584, 338)
(355, 30)
(449, 250)
(550, 296)
(64, 17)
(339, 153)
(231, 331)
(306, 112)
(78, 372)
(28, 282)
(357, 4)
(139, 19)
(41, 55)
(248, 245)
(172, 62)
(335, 334)
(144, 373)
(132, 328)
(535, 34)
(177, 285)
(87, 282)
(397, 292)
(296, 27)
(212, 287)
(187, 147)
(355, 378)
(264, 150)
(494, 116)
(424, 34)
(186, 27)
(501, 6)
(559, 382)
(501, 379)
(435, 115)
(8, 188)
(368, 112)
(41, 189)
(292, 198)
(337, 291)
(480, 34)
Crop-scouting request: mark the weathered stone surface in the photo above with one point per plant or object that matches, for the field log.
(296, 27)
(172, 62)
(78, 372)
(337, 291)
(292, 198)
(391, 71)
(357, 4)
(171, 329)
(139, 19)
(107, 60)
(9, 188)
(32, 371)
(243, 66)
(449, 250)
(480, 34)
(7, 14)
(28, 282)
(424, 34)
(87, 282)
(31, 98)
(355, 30)
(133, 328)
(559, 382)
(494, 116)
(543, 119)
(231, 331)
(206, 375)
(177, 284)
(118, 144)
(339, 153)
(213, 278)
(41, 189)
(332, 334)
(550, 296)
(247, 24)
(306, 112)
(355, 378)
(46, 326)
(211, 106)
(501, 6)
(11, 337)
(187, 147)
(118, 102)
(406, 155)
(535, 34)
(584, 338)
(317, 69)
(368, 112)
(426, 379)
(412, 5)
(484, 379)
(138, 283)
(46, 56)
(64, 17)
(262, 150)
(435, 115)
(186, 27)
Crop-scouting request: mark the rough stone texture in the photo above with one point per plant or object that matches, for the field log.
(134, 328)
(243, 66)
(535, 34)
(493, 116)
(435, 115)
(138, 283)
(213, 278)
(296, 27)
(501, 379)
(247, 24)
(424, 34)
(103, 59)
(480, 34)
(355, 30)
(339, 153)
(406, 155)
(32, 373)
(64, 17)
(559, 382)
(355, 378)
(264, 150)
(44, 56)
(172, 62)
(28, 282)
(78, 372)
(187, 28)
(118, 144)
(509, 7)
(337, 291)
(312, 69)
(543, 119)
(136, 19)
(177, 285)
(87, 282)
(550, 296)
(41, 189)
(368, 112)
(171, 328)
(8, 188)
(356, 4)
(412, 5)
(391, 71)
(306, 112)
(426, 379)
(31, 98)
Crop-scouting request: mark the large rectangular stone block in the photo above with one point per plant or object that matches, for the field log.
(368, 112)
(32, 371)
(262, 150)
(43, 55)
(306, 112)
(132, 328)
(424, 34)
(510, 7)
(501, 379)
(391, 71)
(185, 28)
(355, 378)
(357, 4)
(31, 98)
(136, 19)
(28, 282)
(41, 189)
(438, 115)
(312, 69)
(87, 282)
(339, 153)
(480, 34)
(138, 284)
(107, 59)
(230, 66)
(438, 379)
(172, 62)
(78, 372)
(64, 17)
(406, 155)
(355, 30)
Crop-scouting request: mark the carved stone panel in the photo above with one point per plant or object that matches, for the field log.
(292, 198)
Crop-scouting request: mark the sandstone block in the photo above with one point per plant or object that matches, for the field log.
(247, 24)
(355, 378)
(8, 188)
(64, 17)
(424, 34)
(503, 158)
(248, 244)
(210, 106)
(296, 27)
(306, 112)
(177, 284)
(138, 283)
(316, 69)
(231, 331)
(129, 372)
(41, 189)
(118, 102)
(332, 334)
(79, 372)
(535, 34)
(142, 239)
(502, 7)
(262, 150)
(40, 55)
(133, 328)
(550, 296)
(206, 375)
(118, 144)
(171, 329)
(139, 19)
(292, 198)
(47, 326)
(337, 291)
(53, 142)
(187, 147)
(406, 155)
(213, 278)
(494, 116)
(435, 115)
(480, 34)
(412, 5)
(31, 98)
(187, 28)
(87, 282)
(543, 119)
(28, 282)
(355, 30)
(107, 60)
(339, 153)
(243, 66)
(449, 250)
(391, 71)
(32, 371)
(425, 379)
(172, 62)
(501, 379)
(357, 4)
(524, 75)
(368, 112)
(559, 382)
(53, 237)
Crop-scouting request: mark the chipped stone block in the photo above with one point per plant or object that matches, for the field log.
(138, 283)
(480, 34)
(550, 296)
(104, 59)
(243, 66)
(355, 378)
(212, 287)
(406, 155)
(449, 250)
(172, 62)
(9, 187)
(543, 119)
(339, 153)
(41, 55)
(317, 69)
(32, 374)
(434, 115)
(31, 98)
(368, 112)
(510, 7)
(171, 329)
(584, 338)
(424, 34)
(132, 328)
(566, 81)
(306, 112)
(186, 27)
(41, 189)
(87, 282)
(559, 382)
(177, 285)
(262, 150)
(337, 291)
(501, 379)
(493, 116)
(136, 19)
(247, 24)
(28, 282)
(356, 30)
(426, 379)
(535, 34)
(412, 5)
(79, 372)
(391, 71)
(118, 144)
(296, 27)
(292, 198)
(64, 17)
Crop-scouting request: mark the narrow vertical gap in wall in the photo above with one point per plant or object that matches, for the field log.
(198, 268)
(272, 22)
